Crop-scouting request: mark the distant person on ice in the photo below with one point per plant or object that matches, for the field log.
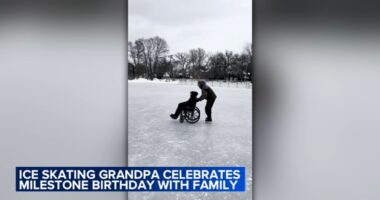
(209, 95)
(189, 103)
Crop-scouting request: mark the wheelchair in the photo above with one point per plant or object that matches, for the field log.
(190, 115)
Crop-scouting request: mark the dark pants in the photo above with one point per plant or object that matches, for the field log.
(208, 108)
(180, 108)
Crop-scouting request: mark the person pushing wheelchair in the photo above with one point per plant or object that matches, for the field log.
(209, 95)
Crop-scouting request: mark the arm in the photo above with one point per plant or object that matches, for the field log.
(203, 96)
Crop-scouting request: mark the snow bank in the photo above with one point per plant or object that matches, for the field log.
(221, 84)
(155, 80)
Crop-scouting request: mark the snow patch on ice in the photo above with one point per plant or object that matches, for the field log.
(155, 80)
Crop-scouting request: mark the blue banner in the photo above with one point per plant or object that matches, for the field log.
(107, 179)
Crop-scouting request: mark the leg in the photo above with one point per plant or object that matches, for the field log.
(208, 108)
(181, 106)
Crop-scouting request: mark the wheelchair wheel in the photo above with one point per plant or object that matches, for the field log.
(192, 115)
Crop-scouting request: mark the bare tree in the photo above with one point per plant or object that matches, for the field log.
(192, 61)
(147, 52)
(131, 59)
(182, 59)
(149, 57)
(135, 56)
(154, 50)
(216, 62)
(228, 62)
(197, 61)
(248, 50)
(160, 50)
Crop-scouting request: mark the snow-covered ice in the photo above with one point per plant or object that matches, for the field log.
(155, 80)
(154, 139)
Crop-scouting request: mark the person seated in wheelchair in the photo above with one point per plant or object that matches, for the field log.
(191, 103)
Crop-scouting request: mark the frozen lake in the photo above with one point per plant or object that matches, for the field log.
(154, 139)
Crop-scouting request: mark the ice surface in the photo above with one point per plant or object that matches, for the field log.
(154, 139)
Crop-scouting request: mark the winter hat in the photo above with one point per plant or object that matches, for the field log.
(193, 93)
(201, 83)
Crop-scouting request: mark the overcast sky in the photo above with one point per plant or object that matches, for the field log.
(215, 25)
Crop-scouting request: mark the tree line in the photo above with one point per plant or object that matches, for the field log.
(149, 58)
